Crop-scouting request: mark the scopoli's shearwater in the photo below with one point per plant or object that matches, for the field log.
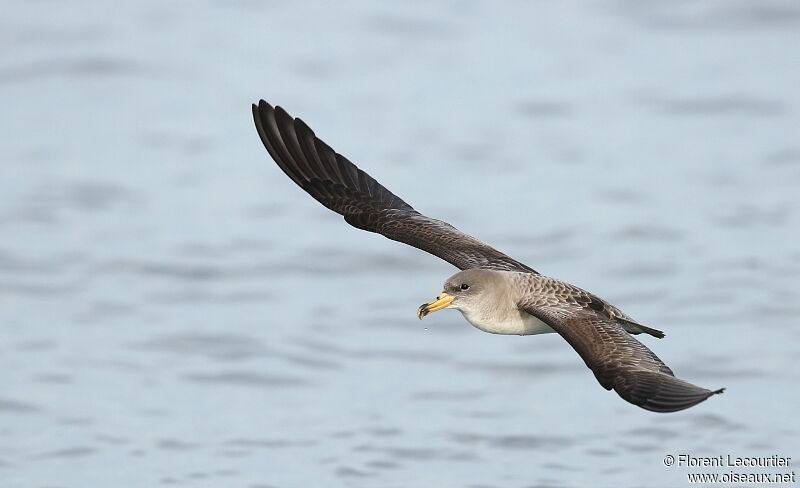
(494, 292)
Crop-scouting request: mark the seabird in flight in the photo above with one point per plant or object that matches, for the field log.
(494, 292)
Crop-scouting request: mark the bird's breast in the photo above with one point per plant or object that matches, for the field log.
(515, 322)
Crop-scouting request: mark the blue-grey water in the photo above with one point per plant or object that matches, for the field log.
(174, 311)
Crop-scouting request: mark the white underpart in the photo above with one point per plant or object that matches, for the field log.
(515, 322)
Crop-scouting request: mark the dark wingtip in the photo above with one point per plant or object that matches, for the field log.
(676, 405)
(660, 392)
(280, 112)
(258, 110)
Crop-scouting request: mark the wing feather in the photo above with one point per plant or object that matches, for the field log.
(620, 362)
(364, 203)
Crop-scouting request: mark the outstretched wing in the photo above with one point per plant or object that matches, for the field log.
(342, 187)
(620, 362)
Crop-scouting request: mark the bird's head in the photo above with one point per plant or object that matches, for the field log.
(462, 291)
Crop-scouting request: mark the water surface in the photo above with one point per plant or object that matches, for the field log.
(175, 312)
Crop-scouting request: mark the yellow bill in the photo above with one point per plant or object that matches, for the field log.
(442, 301)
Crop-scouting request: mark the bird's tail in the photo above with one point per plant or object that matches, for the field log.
(635, 328)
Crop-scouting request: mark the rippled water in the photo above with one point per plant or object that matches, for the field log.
(175, 312)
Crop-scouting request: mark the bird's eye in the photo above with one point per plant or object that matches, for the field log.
(464, 286)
